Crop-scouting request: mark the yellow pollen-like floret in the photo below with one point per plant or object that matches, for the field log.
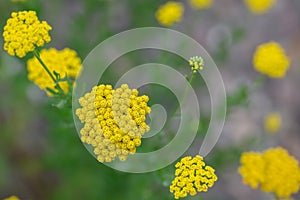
(114, 121)
(169, 13)
(274, 171)
(272, 122)
(23, 32)
(192, 175)
(65, 62)
(270, 59)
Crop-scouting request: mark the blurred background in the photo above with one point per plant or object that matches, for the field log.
(41, 155)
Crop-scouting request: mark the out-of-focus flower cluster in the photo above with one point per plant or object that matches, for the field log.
(272, 122)
(65, 62)
(192, 176)
(274, 170)
(114, 121)
(270, 59)
(12, 198)
(169, 13)
(23, 32)
(258, 7)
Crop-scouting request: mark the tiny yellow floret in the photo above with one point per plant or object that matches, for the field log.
(170, 13)
(23, 32)
(270, 59)
(272, 122)
(196, 63)
(259, 7)
(192, 175)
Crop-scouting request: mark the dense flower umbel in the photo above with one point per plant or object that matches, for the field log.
(23, 32)
(65, 62)
(272, 122)
(196, 63)
(270, 59)
(169, 13)
(201, 4)
(192, 176)
(274, 170)
(114, 121)
(258, 7)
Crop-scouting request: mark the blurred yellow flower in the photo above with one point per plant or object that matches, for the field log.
(258, 7)
(65, 62)
(201, 4)
(12, 198)
(169, 13)
(272, 122)
(23, 32)
(192, 176)
(252, 168)
(270, 59)
(114, 121)
(274, 171)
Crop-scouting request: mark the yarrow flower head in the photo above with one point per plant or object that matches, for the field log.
(169, 13)
(272, 122)
(259, 7)
(23, 32)
(274, 171)
(64, 62)
(192, 175)
(270, 59)
(114, 121)
(196, 63)
(201, 4)
(12, 198)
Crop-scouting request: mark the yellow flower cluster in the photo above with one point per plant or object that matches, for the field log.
(270, 59)
(274, 170)
(114, 121)
(12, 198)
(169, 13)
(65, 62)
(192, 176)
(259, 7)
(23, 32)
(201, 4)
(196, 63)
(272, 122)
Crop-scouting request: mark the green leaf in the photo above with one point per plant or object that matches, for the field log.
(51, 91)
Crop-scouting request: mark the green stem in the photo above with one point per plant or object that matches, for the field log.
(180, 102)
(257, 82)
(37, 55)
